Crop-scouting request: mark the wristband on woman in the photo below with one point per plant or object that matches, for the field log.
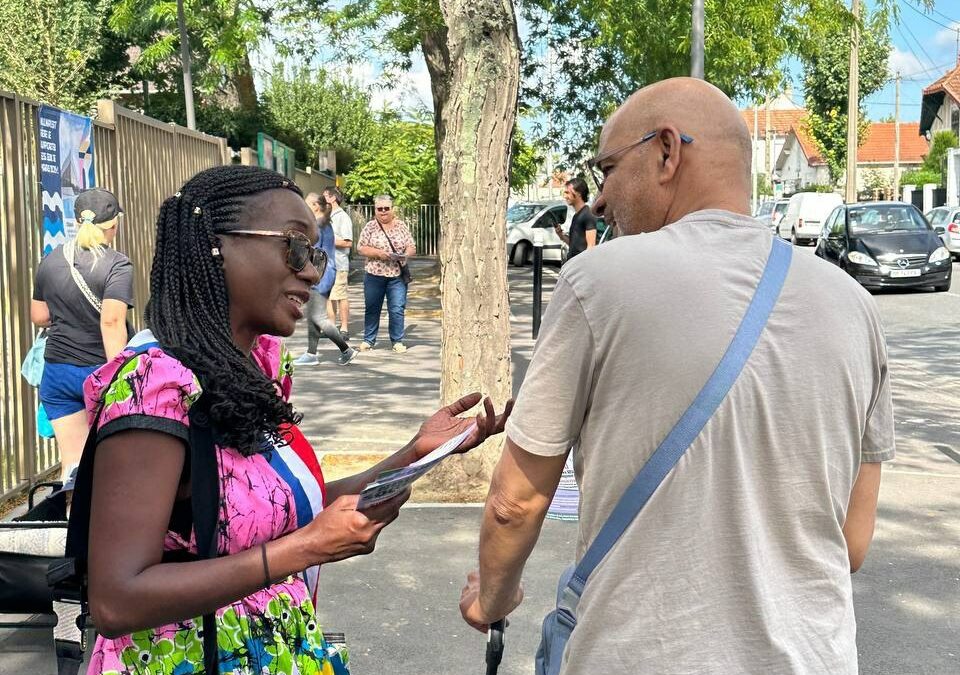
(266, 567)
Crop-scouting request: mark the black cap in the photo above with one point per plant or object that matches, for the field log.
(102, 203)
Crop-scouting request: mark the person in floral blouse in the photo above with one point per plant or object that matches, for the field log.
(235, 259)
(386, 243)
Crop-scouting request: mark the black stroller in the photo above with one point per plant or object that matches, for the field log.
(29, 546)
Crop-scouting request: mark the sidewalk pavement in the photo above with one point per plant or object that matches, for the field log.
(355, 414)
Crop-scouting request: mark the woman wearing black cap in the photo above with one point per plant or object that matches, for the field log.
(81, 295)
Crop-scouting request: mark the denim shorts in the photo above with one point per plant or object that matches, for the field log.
(61, 388)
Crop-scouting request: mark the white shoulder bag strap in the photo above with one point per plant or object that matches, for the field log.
(69, 252)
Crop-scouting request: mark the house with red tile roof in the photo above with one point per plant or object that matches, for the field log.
(772, 123)
(941, 105)
(800, 164)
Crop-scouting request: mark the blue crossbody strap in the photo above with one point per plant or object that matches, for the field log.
(693, 420)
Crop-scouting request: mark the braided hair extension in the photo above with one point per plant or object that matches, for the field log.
(188, 310)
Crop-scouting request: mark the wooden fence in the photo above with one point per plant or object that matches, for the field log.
(142, 161)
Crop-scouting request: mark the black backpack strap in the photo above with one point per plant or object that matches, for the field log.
(205, 504)
(68, 577)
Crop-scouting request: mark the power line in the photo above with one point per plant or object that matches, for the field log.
(914, 53)
(937, 11)
(912, 105)
(919, 44)
(930, 18)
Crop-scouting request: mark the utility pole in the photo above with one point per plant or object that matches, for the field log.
(696, 41)
(896, 141)
(853, 104)
(753, 154)
(185, 63)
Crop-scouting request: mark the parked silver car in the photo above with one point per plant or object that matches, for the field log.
(771, 211)
(946, 221)
(526, 218)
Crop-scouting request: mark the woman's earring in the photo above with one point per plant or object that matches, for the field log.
(215, 252)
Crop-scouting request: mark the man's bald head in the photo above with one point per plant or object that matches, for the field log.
(660, 181)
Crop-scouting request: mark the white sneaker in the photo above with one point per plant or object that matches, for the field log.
(399, 347)
(306, 359)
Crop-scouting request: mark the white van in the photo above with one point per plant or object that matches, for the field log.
(805, 215)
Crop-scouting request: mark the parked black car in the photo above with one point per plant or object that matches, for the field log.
(885, 245)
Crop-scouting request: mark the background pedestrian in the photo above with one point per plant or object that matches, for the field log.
(386, 243)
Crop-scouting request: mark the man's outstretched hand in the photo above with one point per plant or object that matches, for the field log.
(446, 423)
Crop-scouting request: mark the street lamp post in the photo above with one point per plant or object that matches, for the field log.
(185, 63)
(696, 41)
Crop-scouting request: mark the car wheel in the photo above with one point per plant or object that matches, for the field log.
(521, 254)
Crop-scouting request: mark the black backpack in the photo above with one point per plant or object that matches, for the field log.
(68, 577)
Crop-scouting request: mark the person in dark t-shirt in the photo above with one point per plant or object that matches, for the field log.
(81, 295)
(583, 227)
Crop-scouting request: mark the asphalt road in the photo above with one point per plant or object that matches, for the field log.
(399, 606)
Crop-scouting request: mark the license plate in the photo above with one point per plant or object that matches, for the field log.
(900, 274)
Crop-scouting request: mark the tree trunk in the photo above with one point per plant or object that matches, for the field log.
(476, 125)
(244, 84)
(437, 56)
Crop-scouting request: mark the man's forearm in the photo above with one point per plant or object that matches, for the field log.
(507, 536)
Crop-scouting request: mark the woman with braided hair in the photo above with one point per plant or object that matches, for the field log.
(234, 263)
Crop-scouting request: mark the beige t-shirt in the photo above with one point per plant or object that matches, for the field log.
(737, 564)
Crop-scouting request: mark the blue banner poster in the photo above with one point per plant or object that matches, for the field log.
(66, 169)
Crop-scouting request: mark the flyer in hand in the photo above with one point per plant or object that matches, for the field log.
(391, 483)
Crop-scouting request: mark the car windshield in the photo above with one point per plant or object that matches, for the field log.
(765, 209)
(519, 213)
(886, 218)
(780, 208)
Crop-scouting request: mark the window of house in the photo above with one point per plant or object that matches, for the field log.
(955, 120)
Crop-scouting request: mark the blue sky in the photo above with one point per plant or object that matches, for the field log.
(924, 48)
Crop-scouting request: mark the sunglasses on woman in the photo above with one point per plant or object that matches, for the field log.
(299, 249)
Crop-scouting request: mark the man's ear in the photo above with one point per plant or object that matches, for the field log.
(670, 143)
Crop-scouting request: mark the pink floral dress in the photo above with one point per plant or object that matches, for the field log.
(262, 497)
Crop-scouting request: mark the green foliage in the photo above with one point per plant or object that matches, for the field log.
(818, 187)
(222, 33)
(401, 161)
(237, 125)
(393, 28)
(524, 161)
(764, 188)
(826, 74)
(934, 161)
(47, 50)
(310, 111)
(874, 180)
(920, 177)
(605, 49)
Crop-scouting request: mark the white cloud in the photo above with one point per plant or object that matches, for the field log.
(408, 91)
(947, 37)
(906, 63)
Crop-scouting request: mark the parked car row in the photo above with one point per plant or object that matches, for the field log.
(880, 244)
(886, 245)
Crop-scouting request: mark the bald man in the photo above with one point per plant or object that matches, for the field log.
(740, 562)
